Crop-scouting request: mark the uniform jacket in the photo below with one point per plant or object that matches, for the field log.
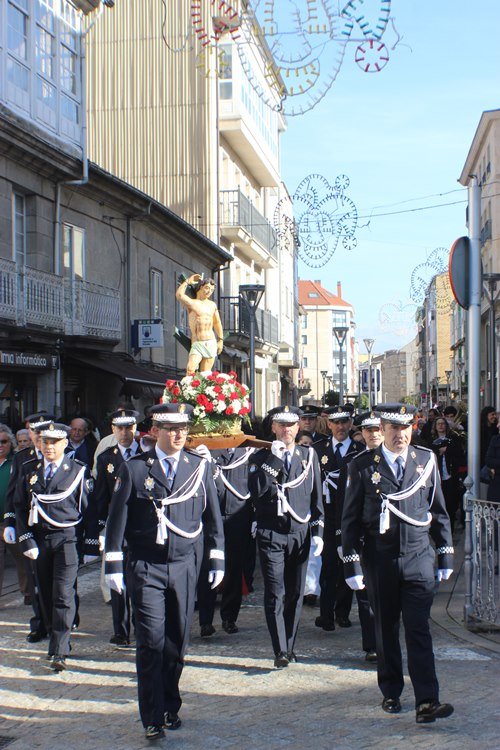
(266, 471)
(328, 463)
(108, 464)
(70, 510)
(369, 477)
(27, 454)
(139, 487)
(231, 504)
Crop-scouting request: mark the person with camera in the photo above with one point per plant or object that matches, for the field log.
(450, 454)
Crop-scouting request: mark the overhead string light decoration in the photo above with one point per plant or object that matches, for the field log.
(398, 318)
(422, 275)
(322, 215)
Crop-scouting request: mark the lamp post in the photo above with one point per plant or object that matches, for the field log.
(369, 346)
(448, 380)
(340, 334)
(323, 374)
(251, 295)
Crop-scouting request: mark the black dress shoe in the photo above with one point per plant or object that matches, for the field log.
(229, 626)
(291, 657)
(172, 720)
(58, 663)
(28, 600)
(371, 655)
(119, 640)
(281, 660)
(310, 600)
(206, 630)
(391, 705)
(343, 622)
(154, 732)
(35, 636)
(432, 710)
(325, 623)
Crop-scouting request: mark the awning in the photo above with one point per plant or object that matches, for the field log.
(125, 369)
(243, 356)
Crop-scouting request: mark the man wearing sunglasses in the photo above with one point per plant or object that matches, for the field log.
(334, 454)
(165, 506)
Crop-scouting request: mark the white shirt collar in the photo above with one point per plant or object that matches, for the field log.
(345, 445)
(174, 458)
(132, 446)
(391, 457)
(57, 463)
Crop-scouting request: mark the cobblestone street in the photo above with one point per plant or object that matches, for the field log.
(233, 698)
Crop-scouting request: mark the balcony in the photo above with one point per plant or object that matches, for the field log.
(44, 300)
(236, 325)
(248, 229)
(485, 234)
(303, 387)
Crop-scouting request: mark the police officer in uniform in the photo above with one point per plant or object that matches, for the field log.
(309, 420)
(285, 486)
(38, 629)
(123, 427)
(334, 454)
(231, 480)
(393, 504)
(163, 501)
(50, 502)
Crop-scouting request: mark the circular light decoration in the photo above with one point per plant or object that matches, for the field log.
(322, 215)
(422, 275)
(224, 18)
(372, 56)
(398, 318)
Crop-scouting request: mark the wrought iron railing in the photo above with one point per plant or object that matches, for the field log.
(236, 321)
(237, 210)
(74, 307)
(482, 545)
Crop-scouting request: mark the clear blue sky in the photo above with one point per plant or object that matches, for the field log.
(400, 134)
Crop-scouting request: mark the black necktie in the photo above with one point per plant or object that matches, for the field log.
(338, 454)
(51, 470)
(169, 471)
(128, 454)
(400, 469)
(288, 461)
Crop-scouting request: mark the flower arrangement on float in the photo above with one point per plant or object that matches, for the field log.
(220, 401)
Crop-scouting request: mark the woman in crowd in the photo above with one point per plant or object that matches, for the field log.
(488, 429)
(450, 452)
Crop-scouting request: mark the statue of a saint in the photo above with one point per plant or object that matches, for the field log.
(204, 322)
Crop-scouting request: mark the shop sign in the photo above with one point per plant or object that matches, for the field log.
(28, 360)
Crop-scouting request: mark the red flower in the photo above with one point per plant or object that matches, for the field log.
(201, 399)
(195, 383)
(243, 411)
(221, 397)
(217, 389)
(176, 391)
(209, 406)
(243, 390)
(229, 411)
(232, 374)
(170, 384)
(174, 401)
(220, 381)
(234, 396)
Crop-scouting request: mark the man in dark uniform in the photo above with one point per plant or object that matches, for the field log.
(393, 503)
(163, 501)
(50, 502)
(285, 486)
(231, 480)
(123, 427)
(334, 454)
(38, 629)
(309, 421)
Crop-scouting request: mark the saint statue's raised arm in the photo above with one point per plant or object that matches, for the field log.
(204, 322)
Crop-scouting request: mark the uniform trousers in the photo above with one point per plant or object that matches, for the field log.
(366, 620)
(335, 597)
(402, 586)
(57, 570)
(120, 606)
(235, 543)
(162, 597)
(283, 559)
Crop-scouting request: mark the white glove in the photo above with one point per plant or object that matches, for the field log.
(115, 581)
(278, 447)
(215, 578)
(204, 452)
(102, 542)
(339, 552)
(355, 583)
(318, 546)
(9, 535)
(89, 558)
(32, 553)
(253, 529)
(443, 574)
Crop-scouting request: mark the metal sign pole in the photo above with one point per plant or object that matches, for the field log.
(474, 334)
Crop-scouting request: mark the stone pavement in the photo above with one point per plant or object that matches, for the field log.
(233, 698)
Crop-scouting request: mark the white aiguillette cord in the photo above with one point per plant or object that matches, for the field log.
(191, 484)
(388, 507)
(36, 500)
(239, 462)
(283, 504)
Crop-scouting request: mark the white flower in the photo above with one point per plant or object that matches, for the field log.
(220, 407)
(186, 380)
(236, 405)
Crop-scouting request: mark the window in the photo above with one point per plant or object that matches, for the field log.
(156, 294)
(304, 362)
(225, 72)
(314, 295)
(339, 319)
(19, 229)
(181, 314)
(304, 340)
(303, 321)
(73, 252)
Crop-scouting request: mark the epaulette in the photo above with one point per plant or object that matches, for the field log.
(30, 461)
(80, 463)
(419, 448)
(363, 459)
(192, 452)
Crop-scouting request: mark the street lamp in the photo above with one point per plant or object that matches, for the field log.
(340, 334)
(251, 295)
(448, 380)
(323, 374)
(369, 346)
